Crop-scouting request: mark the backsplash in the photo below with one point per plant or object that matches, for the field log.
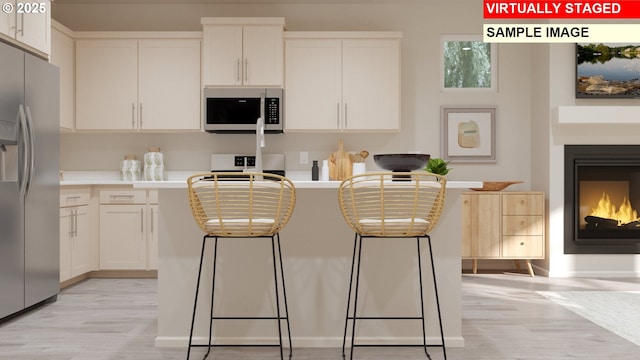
(191, 151)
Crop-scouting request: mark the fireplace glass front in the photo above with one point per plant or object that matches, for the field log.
(602, 198)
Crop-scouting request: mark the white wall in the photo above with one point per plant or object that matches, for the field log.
(422, 23)
(561, 93)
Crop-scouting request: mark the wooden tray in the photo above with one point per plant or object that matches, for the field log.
(495, 185)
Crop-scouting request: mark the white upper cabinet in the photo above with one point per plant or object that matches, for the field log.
(62, 55)
(29, 22)
(169, 84)
(106, 84)
(342, 81)
(243, 51)
(146, 84)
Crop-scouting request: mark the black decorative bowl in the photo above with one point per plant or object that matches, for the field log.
(401, 162)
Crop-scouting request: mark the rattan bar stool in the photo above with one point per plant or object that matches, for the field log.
(241, 205)
(391, 205)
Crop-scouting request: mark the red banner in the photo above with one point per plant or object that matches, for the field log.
(587, 9)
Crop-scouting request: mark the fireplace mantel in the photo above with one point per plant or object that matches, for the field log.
(599, 115)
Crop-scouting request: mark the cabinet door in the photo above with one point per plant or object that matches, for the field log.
(62, 55)
(169, 84)
(313, 93)
(371, 84)
(81, 242)
(106, 84)
(481, 226)
(122, 237)
(262, 55)
(222, 55)
(65, 244)
(34, 27)
(8, 21)
(152, 238)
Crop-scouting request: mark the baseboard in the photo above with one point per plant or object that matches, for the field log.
(307, 342)
(594, 274)
(111, 274)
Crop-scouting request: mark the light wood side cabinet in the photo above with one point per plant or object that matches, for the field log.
(128, 238)
(63, 56)
(29, 23)
(138, 84)
(243, 51)
(342, 81)
(503, 225)
(75, 237)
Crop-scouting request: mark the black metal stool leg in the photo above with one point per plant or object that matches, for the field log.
(346, 318)
(424, 331)
(284, 293)
(355, 300)
(213, 290)
(275, 281)
(195, 299)
(435, 287)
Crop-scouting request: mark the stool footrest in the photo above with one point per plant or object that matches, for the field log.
(395, 345)
(248, 318)
(384, 318)
(236, 345)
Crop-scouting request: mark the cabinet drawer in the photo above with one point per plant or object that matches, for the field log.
(522, 204)
(522, 225)
(525, 247)
(74, 197)
(123, 196)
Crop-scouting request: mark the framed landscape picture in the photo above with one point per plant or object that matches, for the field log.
(468, 63)
(610, 70)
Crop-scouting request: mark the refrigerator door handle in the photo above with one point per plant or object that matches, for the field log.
(32, 150)
(22, 119)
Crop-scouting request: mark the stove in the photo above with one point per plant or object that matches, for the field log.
(271, 163)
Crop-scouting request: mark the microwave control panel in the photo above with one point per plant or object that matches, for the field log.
(272, 112)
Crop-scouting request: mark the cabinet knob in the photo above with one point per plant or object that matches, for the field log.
(522, 244)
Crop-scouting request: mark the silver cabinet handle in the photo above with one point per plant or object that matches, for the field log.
(246, 70)
(346, 119)
(73, 197)
(338, 115)
(142, 220)
(133, 115)
(75, 223)
(141, 115)
(70, 223)
(238, 70)
(152, 224)
(115, 197)
(21, 31)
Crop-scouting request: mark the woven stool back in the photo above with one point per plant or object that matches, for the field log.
(386, 204)
(241, 204)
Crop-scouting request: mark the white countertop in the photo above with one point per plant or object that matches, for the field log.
(177, 180)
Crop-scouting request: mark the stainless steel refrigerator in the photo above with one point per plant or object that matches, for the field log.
(29, 181)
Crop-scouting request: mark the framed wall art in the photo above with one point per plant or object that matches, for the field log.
(468, 63)
(468, 134)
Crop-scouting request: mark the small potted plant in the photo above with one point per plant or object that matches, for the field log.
(437, 166)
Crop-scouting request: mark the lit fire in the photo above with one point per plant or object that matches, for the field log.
(607, 210)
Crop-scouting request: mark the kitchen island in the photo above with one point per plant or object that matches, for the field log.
(317, 247)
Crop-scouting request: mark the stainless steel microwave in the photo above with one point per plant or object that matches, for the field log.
(236, 110)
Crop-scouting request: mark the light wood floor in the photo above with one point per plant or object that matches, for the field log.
(503, 319)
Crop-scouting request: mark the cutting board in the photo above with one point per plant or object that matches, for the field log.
(340, 163)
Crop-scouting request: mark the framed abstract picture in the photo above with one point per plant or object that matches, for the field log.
(468, 134)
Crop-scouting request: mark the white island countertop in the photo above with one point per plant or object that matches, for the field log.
(177, 180)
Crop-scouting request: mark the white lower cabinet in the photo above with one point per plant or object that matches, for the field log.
(128, 239)
(75, 237)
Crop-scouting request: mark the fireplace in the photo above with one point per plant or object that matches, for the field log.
(602, 199)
